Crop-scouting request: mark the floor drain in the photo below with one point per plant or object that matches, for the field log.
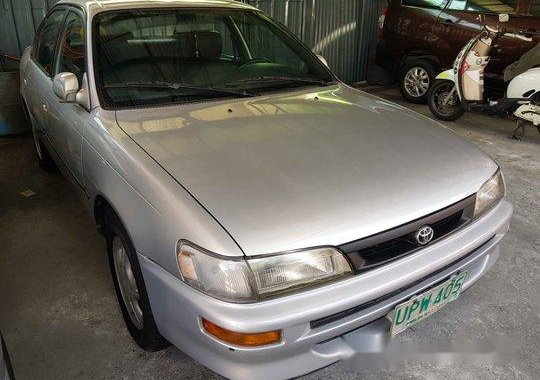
(28, 193)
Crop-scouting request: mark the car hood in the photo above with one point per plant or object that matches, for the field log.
(308, 168)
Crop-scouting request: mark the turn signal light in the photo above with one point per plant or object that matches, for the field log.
(242, 339)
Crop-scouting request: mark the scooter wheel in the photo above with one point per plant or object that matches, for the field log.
(442, 103)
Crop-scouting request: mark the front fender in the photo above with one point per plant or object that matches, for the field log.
(156, 210)
(447, 75)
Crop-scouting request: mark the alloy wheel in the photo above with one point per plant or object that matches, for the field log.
(126, 282)
(416, 82)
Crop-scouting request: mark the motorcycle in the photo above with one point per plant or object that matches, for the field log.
(462, 87)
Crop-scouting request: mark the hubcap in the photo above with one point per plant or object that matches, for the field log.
(127, 283)
(416, 82)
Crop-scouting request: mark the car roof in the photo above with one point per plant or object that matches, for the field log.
(126, 4)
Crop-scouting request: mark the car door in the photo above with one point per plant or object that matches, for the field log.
(38, 74)
(66, 121)
(408, 26)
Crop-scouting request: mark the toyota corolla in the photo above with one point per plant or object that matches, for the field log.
(260, 215)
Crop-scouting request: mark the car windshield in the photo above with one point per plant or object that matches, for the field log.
(157, 57)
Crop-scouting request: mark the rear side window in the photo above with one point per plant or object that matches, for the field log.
(438, 4)
(534, 9)
(71, 52)
(44, 54)
(481, 6)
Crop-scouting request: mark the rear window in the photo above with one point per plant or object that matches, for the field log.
(438, 4)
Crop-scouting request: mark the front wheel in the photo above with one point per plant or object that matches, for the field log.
(130, 287)
(444, 102)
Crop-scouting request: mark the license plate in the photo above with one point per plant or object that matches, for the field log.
(423, 305)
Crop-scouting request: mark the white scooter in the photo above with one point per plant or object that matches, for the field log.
(462, 87)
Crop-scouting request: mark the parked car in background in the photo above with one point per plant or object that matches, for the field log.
(259, 214)
(420, 38)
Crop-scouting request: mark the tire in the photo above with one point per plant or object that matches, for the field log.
(438, 90)
(142, 327)
(415, 79)
(44, 157)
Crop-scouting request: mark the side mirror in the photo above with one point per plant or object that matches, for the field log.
(66, 86)
(504, 17)
(323, 60)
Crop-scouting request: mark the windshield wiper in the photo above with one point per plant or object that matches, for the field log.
(178, 86)
(267, 79)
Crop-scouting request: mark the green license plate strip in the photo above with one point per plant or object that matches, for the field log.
(422, 306)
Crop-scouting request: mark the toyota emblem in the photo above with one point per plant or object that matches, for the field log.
(424, 235)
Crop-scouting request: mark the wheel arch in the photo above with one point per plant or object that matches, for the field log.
(423, 55)
(103, 209)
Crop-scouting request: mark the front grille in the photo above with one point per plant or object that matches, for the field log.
(382, 248)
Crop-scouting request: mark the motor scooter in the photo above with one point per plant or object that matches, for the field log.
(462, 87)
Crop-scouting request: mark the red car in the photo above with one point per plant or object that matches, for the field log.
(420, 38)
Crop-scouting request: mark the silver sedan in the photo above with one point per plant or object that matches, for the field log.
(260, 215)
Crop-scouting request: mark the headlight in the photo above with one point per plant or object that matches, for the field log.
(255, 279)
(283, 273)
(489, 194)
(226, 279)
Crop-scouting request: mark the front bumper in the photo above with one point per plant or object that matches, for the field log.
(306, 345)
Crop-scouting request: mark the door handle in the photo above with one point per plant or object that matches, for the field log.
(447, 22)
(44, 108)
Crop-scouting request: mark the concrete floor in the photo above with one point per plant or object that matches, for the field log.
(59, 316)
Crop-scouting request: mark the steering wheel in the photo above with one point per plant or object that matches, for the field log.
(255, 60)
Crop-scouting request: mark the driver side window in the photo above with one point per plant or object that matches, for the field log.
(71, 52)
(46, 43)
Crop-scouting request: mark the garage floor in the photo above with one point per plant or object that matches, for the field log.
(59, 316)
